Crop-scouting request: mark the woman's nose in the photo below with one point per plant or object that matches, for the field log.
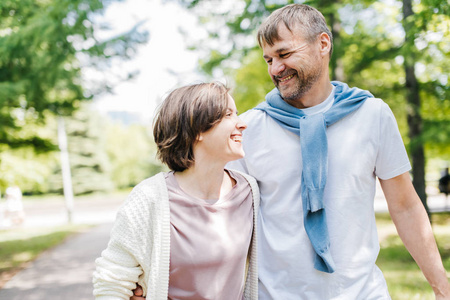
(241, 125)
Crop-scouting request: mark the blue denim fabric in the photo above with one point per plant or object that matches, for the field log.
(314, 147)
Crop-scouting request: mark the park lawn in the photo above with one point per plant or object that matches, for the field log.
(19, 246)
(404, 279)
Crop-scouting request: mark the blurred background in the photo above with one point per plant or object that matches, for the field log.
(80, 81)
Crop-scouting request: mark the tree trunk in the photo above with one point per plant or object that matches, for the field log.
(336, 65)
(65, 167)
(413, 107)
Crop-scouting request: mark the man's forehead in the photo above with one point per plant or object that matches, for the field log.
(284, 34)
(284, 39)
(279, 45)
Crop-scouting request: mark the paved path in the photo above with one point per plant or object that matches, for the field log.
(96, 210)
(63, 273)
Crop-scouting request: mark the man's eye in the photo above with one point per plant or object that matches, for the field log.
(269, 62)
(284, 55)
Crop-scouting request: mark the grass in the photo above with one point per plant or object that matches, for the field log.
(404, 279)
(20, 246)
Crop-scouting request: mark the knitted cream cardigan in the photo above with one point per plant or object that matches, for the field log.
(139, 247)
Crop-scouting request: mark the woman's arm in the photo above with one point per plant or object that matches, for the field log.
(117, 270)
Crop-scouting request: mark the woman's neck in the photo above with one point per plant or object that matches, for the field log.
(205, 181)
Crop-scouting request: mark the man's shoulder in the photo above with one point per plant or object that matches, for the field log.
(374, 104)
(375, 101)
(252, 115)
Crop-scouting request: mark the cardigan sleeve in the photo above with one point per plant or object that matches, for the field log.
(118, 269)
(251, 284)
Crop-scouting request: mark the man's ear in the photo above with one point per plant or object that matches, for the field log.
(325, 44)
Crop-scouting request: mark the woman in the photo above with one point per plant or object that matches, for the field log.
(189, 233)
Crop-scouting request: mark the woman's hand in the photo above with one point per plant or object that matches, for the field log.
(137, 293)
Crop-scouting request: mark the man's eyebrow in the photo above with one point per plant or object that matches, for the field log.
(283, 50)
(278, 51)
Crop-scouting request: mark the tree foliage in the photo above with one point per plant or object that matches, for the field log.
(252, 81)
(44, 44)
(89, 163)
(103, 155)
(132, 153)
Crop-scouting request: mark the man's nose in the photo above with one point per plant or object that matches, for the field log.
(277, 67)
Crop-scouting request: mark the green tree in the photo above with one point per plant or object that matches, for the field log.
(89, 163)
(103, 155)
(413, 100)
(26, 167)
(132, 153)
(43, 47)
(252, 81)
(404, 60)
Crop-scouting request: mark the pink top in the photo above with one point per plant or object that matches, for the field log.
(210, 241)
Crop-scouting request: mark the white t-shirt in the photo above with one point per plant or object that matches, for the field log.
(361, 146)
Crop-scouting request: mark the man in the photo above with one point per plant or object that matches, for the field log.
(317, 232)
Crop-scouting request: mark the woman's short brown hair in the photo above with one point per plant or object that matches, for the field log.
(186, 113)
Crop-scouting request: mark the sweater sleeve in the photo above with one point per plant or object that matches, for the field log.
(251, 284)
(118, 269)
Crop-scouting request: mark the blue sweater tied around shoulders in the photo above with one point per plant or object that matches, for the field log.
(314, 148)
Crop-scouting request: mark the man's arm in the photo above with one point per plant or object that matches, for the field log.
(413, 227)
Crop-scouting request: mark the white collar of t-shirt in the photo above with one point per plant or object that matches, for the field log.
(321, 107)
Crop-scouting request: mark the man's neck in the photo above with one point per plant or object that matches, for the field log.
(316, 95)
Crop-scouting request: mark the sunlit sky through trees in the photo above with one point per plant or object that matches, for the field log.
(163, 62)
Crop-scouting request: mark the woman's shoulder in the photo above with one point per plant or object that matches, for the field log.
(148, 191)
(250, 179)
(155, 181)
(251, 182)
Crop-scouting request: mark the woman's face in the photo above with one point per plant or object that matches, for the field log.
(224, 140)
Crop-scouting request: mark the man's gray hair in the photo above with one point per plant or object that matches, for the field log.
(304, 17)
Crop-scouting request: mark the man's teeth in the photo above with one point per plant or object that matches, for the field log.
(287, 78)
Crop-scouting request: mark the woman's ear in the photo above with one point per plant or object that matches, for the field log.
(199, 138)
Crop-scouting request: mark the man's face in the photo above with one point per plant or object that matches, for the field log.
(293, 64)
